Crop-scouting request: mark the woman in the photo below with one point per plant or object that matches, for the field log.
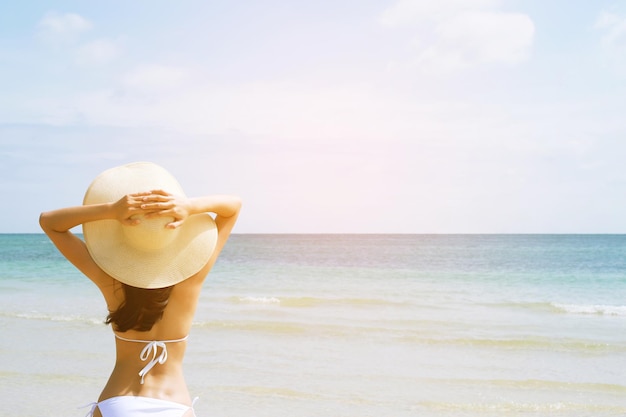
(148, 248)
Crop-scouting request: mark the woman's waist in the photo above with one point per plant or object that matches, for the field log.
(149, 363)
(129, 362)
(166, 382)
(152, 368)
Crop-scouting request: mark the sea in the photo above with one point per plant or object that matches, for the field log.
(346, 326)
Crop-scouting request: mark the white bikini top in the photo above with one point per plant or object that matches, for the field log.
(152, 346)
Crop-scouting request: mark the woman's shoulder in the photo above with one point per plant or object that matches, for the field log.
(191, 286)
(183, 300)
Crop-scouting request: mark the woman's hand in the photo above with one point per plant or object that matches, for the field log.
(128, 206)
(159, 203)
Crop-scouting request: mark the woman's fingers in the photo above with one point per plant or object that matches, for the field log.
(143, 193)
(155, 201)
(161, 192)
(165, 212)
(131, 221)
(157, 198)
(167, 205)
(153, 204)
(153, 195)
(174, 225)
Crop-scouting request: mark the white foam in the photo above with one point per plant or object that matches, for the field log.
(261, 300)
(52, 317)
(598, 309)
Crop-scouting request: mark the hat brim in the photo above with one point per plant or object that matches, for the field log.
(182, 257)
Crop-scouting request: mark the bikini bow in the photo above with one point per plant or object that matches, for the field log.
(153, 347)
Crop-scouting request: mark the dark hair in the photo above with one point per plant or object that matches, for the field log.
(140, 309)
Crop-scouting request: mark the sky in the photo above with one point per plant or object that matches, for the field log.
(369, 116)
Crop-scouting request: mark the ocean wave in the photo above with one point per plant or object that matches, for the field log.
(524, 344)
(516, 408)
(264, 391)
(591, 309)
(254, 326)
(312, 301)
(256, 300)
(411, 336)
(315, 329)
(583, 309)
(51, 317)
(551, 385)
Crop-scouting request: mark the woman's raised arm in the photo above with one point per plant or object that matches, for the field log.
(57, 224)
(226, 208)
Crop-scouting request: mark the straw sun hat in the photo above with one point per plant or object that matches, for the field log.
(146, 255)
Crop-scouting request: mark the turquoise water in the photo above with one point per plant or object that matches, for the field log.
(347, 325)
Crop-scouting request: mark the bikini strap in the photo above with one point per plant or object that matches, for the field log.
(93, 408)
(193, 403)
(182, 339)
(152, 346)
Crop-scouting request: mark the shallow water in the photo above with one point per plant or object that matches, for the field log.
(347, 325)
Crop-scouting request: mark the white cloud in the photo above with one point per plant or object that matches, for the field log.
(99, 51)
(613, 41)
(155, 78)
(62, 27)
(453, 35)
(606, 20)
(474, 38)
(418, 11)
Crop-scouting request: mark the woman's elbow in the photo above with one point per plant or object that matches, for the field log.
(44, 221)
(47, 222)
(235, 206)
(237, 203)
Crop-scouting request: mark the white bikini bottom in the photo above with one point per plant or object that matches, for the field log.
(130, 406)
